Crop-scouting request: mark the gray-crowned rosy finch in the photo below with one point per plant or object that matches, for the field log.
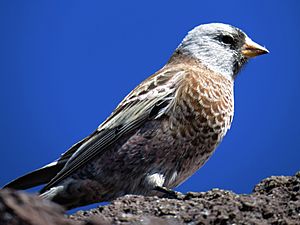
(162, 132)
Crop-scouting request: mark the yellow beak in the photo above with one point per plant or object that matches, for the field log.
(251, 49)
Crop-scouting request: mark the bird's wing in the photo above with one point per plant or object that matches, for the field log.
(45, 174)
(149, 100)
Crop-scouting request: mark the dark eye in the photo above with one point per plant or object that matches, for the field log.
(226, 39)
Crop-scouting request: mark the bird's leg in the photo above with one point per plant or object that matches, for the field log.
(169, 193)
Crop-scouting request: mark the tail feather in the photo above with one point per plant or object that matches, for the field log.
(51, 193)
(46, 173)
(37, 177)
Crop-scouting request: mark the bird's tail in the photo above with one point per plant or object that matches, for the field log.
(37, 177)
(51, 193)
(60, 196)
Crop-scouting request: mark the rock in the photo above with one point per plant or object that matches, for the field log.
(19, 208)
(275, 200)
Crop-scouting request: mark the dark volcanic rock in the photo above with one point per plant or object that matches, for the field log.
(275, 200)
(19, 208)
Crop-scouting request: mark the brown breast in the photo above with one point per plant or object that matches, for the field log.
(204, 107)
(199, 119)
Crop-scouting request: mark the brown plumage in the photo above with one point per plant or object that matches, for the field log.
(162, 132)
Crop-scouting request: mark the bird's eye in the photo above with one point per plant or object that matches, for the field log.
(226, 39)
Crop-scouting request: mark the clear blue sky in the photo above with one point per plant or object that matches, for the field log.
(65, 65)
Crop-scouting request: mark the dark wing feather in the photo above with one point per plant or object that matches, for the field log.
(131, 113)
(45, 174)
(37, 177)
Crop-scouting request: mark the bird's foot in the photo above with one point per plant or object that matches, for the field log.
(169, 193)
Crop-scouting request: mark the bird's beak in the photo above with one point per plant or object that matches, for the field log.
(251, 49)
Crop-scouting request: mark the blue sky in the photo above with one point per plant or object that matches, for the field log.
(65, 65)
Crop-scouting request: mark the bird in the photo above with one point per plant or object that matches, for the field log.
(162, 132)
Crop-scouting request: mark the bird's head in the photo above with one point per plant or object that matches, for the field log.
(221, 47)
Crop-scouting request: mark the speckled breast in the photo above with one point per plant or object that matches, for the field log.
(201, 117)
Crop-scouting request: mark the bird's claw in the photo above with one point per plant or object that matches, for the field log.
(169, 193)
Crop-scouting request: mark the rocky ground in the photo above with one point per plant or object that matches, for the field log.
(275, 200)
